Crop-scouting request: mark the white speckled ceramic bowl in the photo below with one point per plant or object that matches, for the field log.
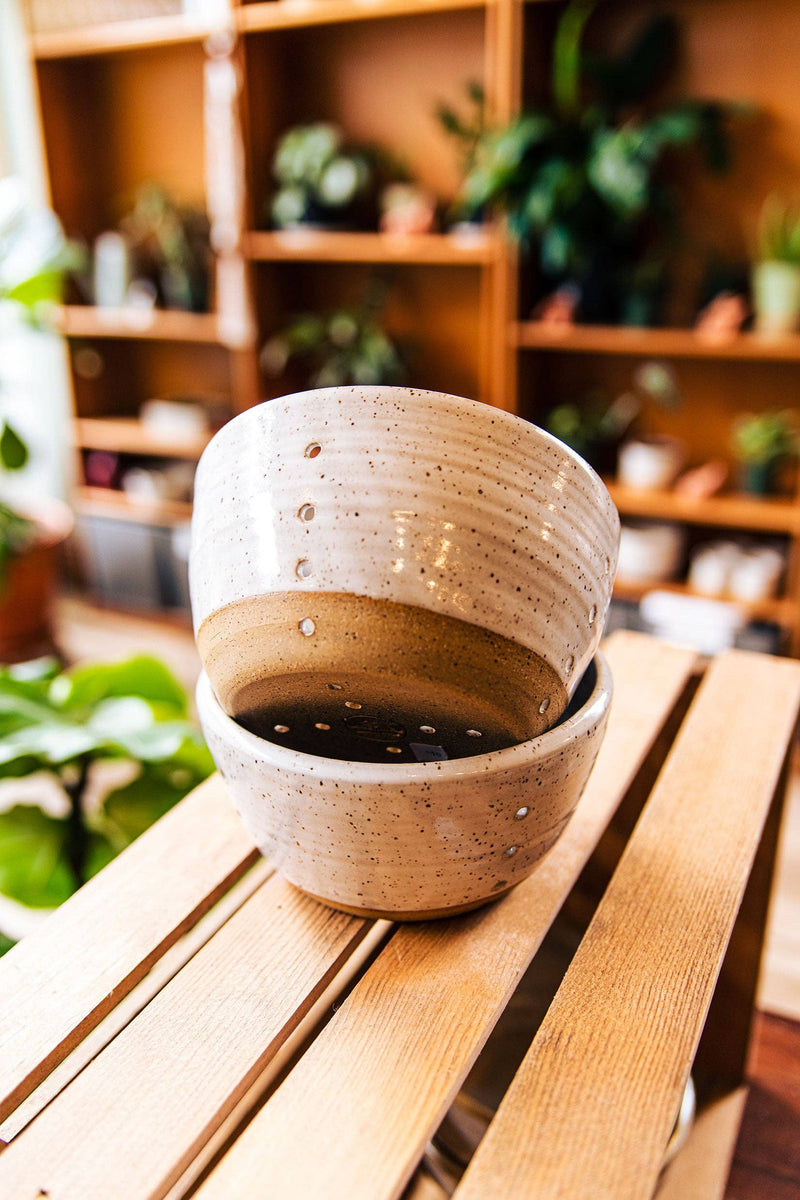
(396, 535)
(410, 840)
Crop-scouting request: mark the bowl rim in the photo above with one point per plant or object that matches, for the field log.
(478, 408)
(297, 762)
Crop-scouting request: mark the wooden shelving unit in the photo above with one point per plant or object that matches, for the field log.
(125, 101)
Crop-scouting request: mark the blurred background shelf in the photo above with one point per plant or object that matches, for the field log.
(324, 247)
(86, 321)
(126, 435)
(656, 343)
(106, 502)
(756, 513)
(291, 14)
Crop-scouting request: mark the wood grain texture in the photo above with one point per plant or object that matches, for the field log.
(608, 1065)
(138, 998)
(171, 1077)
(376, 1082)
(111, 932)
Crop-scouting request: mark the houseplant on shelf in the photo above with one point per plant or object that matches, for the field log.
(581, 178)
(776, 274)
(322, 182)
(33, 256)
(343, 346)
(88, 758)
(763, 444)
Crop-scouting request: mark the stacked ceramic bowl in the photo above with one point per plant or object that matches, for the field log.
(398, 597)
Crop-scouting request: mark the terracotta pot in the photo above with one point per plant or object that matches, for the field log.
(26, 592)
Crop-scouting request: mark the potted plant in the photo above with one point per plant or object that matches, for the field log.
(33, 257)
(169, 245)
(321, 181)
(343, 346)
(467, 131)
(581, 177)
(763, 443)
(776, 275)
(113, 743)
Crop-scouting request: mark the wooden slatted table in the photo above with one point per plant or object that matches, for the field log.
(189, 1024)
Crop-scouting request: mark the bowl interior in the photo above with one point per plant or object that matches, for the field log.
(352, 678)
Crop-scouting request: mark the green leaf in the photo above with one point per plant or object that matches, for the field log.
(33, 864)
(100, 852)
(13, 451)
(640, 67)
(129, 810)
(5, 944)
(619, 168)
(141, 676)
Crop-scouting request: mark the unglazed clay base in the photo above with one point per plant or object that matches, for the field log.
(350, 677)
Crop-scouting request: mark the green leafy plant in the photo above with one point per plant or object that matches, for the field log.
(594, 426)
(467, 130)
(766, 439)
(779, 231)
(344, 346)
(34, 254)
(320, 179)
(70, 723)
(16, 531)
(581, 178)
(170, 245)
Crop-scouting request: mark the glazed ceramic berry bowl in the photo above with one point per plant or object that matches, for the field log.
(417, 551)
(414, 839)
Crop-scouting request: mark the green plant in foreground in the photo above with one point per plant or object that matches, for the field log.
(69, 723)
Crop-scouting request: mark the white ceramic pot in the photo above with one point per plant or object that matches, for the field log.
(776, 297)
(414, 547)
(650, 552)
(410, 840)
(650, 463)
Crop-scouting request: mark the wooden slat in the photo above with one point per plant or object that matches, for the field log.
(171, 1077)
(608, 1065)
(373, 1087)
(129, 1006)
(110, 933)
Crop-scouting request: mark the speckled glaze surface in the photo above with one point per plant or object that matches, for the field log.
(413, 497)
(410, 840)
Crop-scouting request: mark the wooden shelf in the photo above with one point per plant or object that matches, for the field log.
(105, 502)
(85, 321)
(125, 435)
(777, 611)
(118, 36)
(312, 245)
(292, 14)
(731, 511)
(656, 343)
